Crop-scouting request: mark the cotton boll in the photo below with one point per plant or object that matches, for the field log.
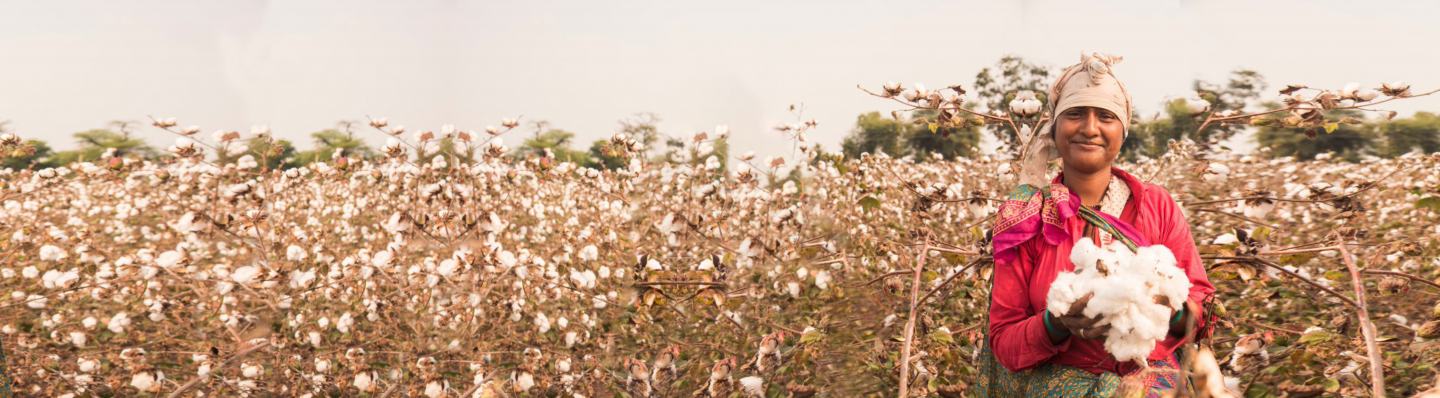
(1084, 255)
(1126, 348)
(1168, 278)
(753, 386)
(1125, 284)
(1114, 293)
(1066, 288)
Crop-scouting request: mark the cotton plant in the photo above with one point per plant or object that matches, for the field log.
(1132, 293)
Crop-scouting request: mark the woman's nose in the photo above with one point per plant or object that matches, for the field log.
(1090, 127)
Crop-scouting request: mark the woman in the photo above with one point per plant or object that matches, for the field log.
(1043, 354)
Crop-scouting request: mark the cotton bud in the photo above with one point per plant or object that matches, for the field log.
(8, 139)
(295, 253)
(1349, 90)
(1395, 89)
(118, 323)
(1025, 104)
(509, 123)
(917, 94)
(1366, 94)
(1196, 106)
(379, 122)
(190, 130)
(542, 323)
(164, 123)
(172, 258)
(245, 274)
(753, 386)
(147, 381)
(36, 301)
(434, 389)
(492, 130)
(893, 89)
(185, 146)
(364, 381)
(225, 136)
(250, 371)
(88, 365)
(51, 253)
(1216, 172)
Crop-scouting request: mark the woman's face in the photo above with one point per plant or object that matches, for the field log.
(1088, 138)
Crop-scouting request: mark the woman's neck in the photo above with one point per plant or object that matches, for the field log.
(1090, 186)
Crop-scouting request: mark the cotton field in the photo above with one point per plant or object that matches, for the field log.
(497, 276)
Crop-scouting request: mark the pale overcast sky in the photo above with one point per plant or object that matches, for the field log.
(299, 66)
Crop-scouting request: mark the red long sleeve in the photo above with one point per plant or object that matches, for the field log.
(1017, 333)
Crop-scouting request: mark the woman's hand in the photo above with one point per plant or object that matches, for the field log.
(1075, 321)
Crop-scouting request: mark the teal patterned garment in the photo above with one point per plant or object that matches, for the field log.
(1050, 380)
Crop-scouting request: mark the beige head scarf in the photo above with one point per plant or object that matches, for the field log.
(1088, 83)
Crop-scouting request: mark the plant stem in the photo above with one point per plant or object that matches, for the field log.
(1367, 329)
(910, 323)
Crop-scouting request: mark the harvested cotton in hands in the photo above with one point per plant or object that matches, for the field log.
(1134, 293)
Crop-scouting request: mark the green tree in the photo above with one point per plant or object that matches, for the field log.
(327, 142)
(1346, 140)
(917, 135)
(94, 143)
(1420, 132)
(271, 153)
(602, 156)
(35, 154)
(557, 141)
(874, 133)
(925, 139)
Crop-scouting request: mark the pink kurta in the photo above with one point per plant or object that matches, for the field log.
(1017, 330)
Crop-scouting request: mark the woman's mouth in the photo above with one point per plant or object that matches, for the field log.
(1089, 146)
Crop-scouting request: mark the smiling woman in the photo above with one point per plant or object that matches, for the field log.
(1034, 352)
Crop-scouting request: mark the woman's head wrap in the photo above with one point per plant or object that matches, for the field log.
(1088, 83)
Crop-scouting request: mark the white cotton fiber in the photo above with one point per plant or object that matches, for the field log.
(1064, 291)
(1124, 284)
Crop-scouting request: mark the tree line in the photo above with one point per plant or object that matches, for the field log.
(896, 134)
